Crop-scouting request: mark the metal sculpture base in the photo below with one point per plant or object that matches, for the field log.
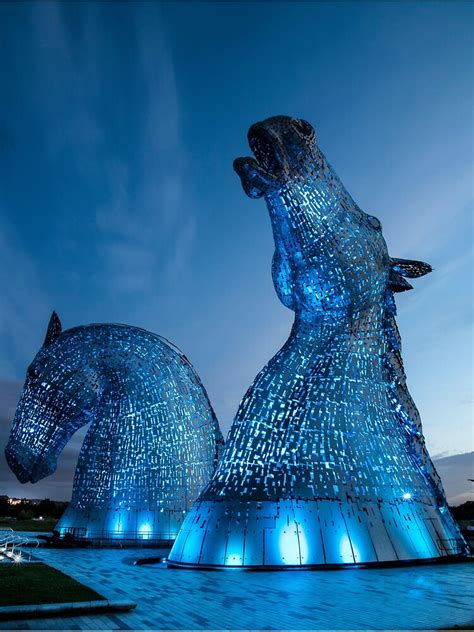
(311, 533)
(120, 527)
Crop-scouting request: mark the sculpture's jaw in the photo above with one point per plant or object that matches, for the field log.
(256, 182)
(261, 174)
(27, 466)
(267, 149)
(279, 145)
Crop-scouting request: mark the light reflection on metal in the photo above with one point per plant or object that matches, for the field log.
(153, 439)
(327, 441)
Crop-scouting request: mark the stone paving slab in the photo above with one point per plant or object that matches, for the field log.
(423, 597)
(71, 608)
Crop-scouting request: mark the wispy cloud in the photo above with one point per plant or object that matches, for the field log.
(147, 226)
(142, 230)
(139, 230)
(24, 303)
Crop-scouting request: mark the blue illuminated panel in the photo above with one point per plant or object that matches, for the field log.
(325, 463)
(153, 436)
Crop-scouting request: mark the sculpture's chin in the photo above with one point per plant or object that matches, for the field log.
(17, 464)
(26, 465)
(256, 182)
(23, 477)
(42, 469)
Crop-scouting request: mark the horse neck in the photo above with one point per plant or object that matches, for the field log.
(299, 209)
(360, 334)
(112, 374)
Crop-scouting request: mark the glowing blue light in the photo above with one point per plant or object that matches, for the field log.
(345, 550)
(303, 545)
(406, 496)
(117, 527)
(288, 545)
(233, 559)
(145, 531)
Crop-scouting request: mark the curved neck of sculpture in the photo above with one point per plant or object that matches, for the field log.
(106, 374)
(362, 332)
(301, 214)
(304, 207)
(294, 228)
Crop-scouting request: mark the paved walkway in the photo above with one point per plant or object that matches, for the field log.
(423, 597)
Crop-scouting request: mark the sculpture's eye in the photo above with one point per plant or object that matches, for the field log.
(375, 223)
(32, 373)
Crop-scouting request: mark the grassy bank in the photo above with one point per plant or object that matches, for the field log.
(39, 526)
(32, 584)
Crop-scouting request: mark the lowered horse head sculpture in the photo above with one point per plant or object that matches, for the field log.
(325, 463)
(153, 436)
(58, 398)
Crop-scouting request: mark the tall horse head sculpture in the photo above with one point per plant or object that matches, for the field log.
(153, 436)
(325, 463)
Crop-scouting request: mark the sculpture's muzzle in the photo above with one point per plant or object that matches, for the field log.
(26, 464)
(261, 174)
(282, 147)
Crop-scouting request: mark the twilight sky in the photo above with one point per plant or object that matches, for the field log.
(118, 203)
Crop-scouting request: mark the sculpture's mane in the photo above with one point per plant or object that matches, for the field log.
(126, 329)
(404, 405)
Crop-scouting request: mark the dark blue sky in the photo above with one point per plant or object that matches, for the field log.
(118, 203)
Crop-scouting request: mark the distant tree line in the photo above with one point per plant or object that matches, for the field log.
(28, 509)
(464, 511)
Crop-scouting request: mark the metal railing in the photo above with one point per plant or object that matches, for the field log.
(82, 535)
(14, 547)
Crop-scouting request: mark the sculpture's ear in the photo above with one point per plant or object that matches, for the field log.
(54, 329)
(397, 283)
(409, 268)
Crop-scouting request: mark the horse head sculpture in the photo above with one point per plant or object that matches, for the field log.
(325, 463)
(153, 436)
(59, 397)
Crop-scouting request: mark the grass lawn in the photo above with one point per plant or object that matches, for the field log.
(40, 526)
(31, 584)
